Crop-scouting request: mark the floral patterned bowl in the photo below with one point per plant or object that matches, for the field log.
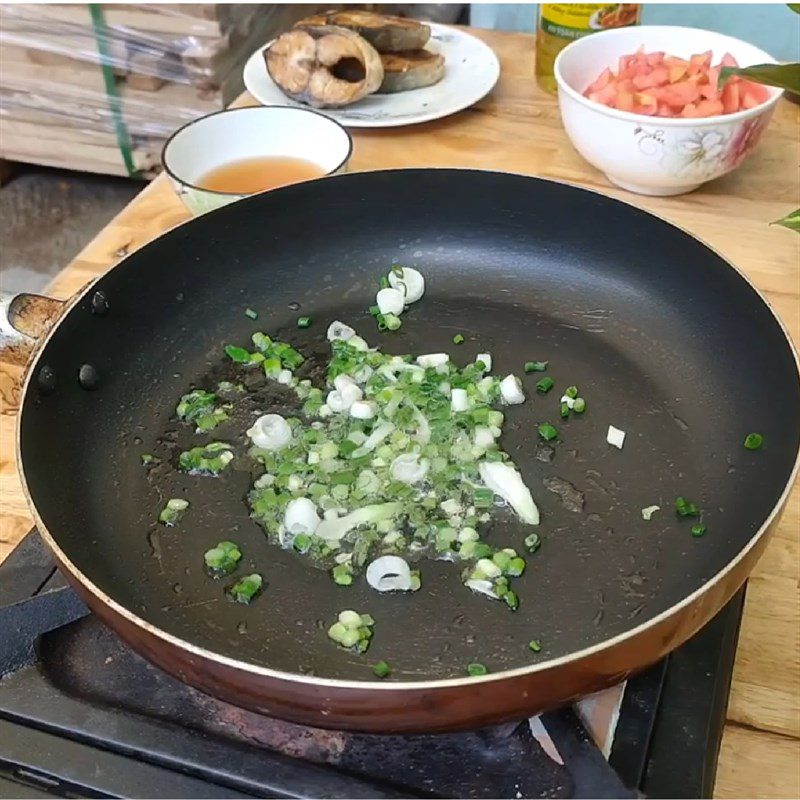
(656, 155)
(244, 133)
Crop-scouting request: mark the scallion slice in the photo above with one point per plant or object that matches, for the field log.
(753, 441)
(547, 432)
(536, 366)
(476, 669)
(545, 385)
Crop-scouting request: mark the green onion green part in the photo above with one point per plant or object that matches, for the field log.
(547, 432)
(685, 508)
(245, 590)
(571, 391)
(536, 366)
(698, 530)
(223, 558)
(382, 669)
(304, 322)
(173, 511)
(352, 631)
(753, 441)
(535, 645)
(579, 406)
(476, 669)
(532, 542)
(545, 385)
(458, 339)
(248, 312)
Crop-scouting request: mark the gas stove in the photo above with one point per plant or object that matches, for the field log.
(81, 715)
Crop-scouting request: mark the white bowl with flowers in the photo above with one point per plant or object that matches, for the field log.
(647, 153)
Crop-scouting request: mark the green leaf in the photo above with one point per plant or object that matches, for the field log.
(785, 76)
(790, 221)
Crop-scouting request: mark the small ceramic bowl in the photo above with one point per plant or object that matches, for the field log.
(656, 155)
(251, 132)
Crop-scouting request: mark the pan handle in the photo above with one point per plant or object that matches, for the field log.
(24, 319)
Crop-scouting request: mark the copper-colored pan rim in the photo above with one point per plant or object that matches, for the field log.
(410, 686)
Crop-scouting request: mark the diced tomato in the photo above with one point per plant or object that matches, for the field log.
(658, 84)
(759, 92)
(624, 101)
(709, 108)
(656, 77)
(676, 72)
(730, 97)
(602, 81)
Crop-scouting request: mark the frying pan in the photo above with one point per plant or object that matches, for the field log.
(665, 339)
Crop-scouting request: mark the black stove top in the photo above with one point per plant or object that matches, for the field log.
(81, 715)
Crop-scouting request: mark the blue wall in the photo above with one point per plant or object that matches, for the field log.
(771, 26)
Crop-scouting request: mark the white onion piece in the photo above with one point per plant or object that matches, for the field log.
(409, 468)
(615, 437)
(284, 377)
(340, 381)
(569, 401)
(432, 359)
(483, 437)
(270, 432)
(338, 330)
(332, 530)
(363, 409)
(324, 410)
(294, 483)
(423, 434)
(301, 517)
(390, 301)
(410, 283)
(339, 400)
(511, 390)
(486, 359)
(358, 343)
(481, 587)
(506, 482)
(374, 439)
(647, 513)
(459, 400)
(389, 574)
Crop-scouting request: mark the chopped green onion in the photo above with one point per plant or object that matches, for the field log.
(515, 567)
(536, 366)
(173, 511)
(149, 460)
(535, 645)
(547, 432)
(342, 574)
(248, 312)
(383, 283)
(247, 588)
(483, 498)
(532, 542)
(302, 542)
(545, 385)
(685, 508)
(382, 669)
(511, 600)
(458, 339)
(352, 630)
(698, 530)
(223, 558)
(476, 669)
(579, 406)
(392, 322)
(753, 441)
(304, 322)
(571, 392)
(209, 459)
(374, 310)
(564, 410)
(237, 354)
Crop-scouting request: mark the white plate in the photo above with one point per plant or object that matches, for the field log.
(471, 71)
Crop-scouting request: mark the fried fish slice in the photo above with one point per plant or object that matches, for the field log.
(385, 33)
(324, 66)
(412, 70)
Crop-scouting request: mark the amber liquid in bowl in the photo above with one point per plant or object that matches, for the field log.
(251, 175)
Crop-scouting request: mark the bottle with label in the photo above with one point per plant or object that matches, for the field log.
(562, 23)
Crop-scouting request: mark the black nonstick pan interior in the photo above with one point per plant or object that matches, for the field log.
(665, 340)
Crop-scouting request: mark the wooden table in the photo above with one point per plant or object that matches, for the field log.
(517, 128)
